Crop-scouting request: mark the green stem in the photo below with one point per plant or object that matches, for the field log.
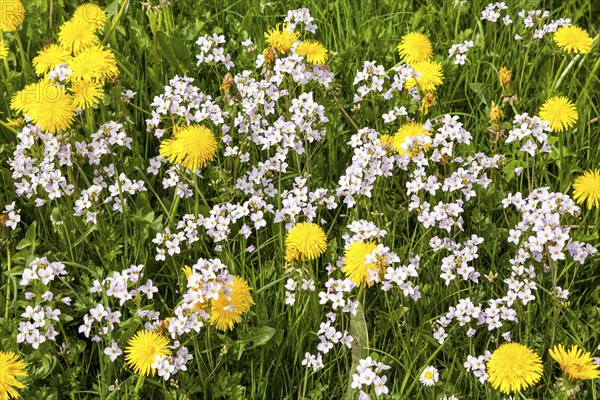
(7, 284)
(139, 384)
(25, 65)
(115, 22)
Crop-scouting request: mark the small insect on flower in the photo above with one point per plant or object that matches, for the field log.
(514, 367)
(12, 15)
(313, 50)
(575, 363)
(142, 349)
(415, 47)
(560, 112)
(193, 147)
(573, 40)
(587, 187)
(234, 301)
(429, 376)
(11, 368)
(305, 241)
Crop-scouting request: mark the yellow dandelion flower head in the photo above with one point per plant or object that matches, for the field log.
(76, 35)
(12, 15)
(11, 368)
(514, 367)
(415, 47)
(560, 112)
(142, 349)
(313, 50)
(50, 57)
(305, 241)
(355, 266)
(86, 93)
(3, 49)
(94, 63)
(496, 113)
(24, 98)
(234, 301)
(573, 39)
(387, 141)
(92, 14)
(575, 363)
(281, 40)
(193, 147)
(52, 108)
(431, 76)
(587, 187)
(409, 130)
(504, 76)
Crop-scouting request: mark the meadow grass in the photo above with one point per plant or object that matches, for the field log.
(262, 357)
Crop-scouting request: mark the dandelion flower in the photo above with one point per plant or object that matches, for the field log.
(193, 147)
(227, 310)
(514, 367)
(281, 40)
(431, 76)
(76, 35)
(12, 15)
(86, 93)
(573, 39)
(3, 49)
(355, 266)
(415, 47)
(575, 363)
(52, 108)
(92, 14)
(305, 241)
(313, 50)
(387, 142)
(496, 113)
(142, 349)
(409, 130)
(50, 57)
(24, 98)
(560, 112)
(94, 63)
(429, 376)
(11, 367)
(587, 186)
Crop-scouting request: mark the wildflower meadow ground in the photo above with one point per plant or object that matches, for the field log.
(299, 199)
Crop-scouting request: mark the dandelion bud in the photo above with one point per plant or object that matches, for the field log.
(505, 76)
(496, 114)
(269, 55)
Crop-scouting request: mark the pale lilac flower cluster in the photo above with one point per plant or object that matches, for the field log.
(183, 101)
(399, 276)
(300, 16)
(38, 326)
(167, 366)
(207, 278)
(460, 260)
(402, 73)
(104, 142)
(459, 51)
(42, 270)
(36, 164)
(476, 365)
(60, 74)
(128, 95)
(525, 126)
(374, 77)
(100, 322)
(492, 11)
(291, 286)
(370, 373)
(330, 336)
(362, 230)
(370, 161)
(211, 51)
(12, 216)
